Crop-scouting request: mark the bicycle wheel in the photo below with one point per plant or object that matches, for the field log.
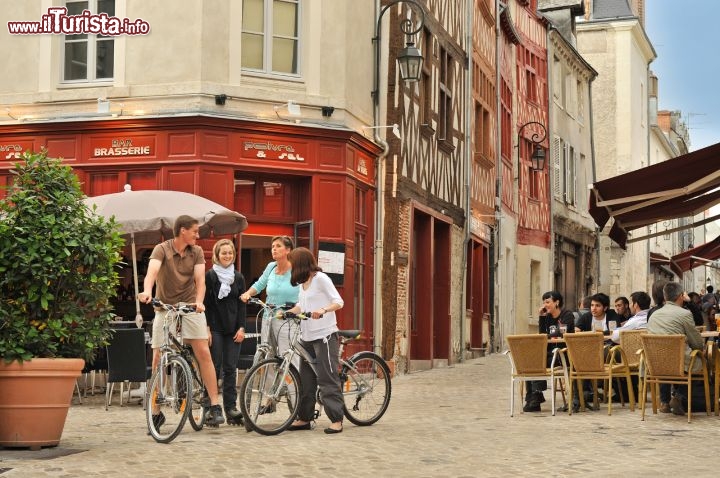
(269, 399)
(167, 407)
(366, 388)
(200, 401)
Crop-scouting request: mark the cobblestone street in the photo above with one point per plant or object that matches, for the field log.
(447, 422)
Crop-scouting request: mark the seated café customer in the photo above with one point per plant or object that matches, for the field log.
(552, 314)
(709, 309)
(694, 305)
(600, 317)
(672, 318)
(622, 307)
(657, 296)
(639, 305)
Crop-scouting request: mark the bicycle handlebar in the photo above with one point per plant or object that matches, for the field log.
(180, 307)
(256, 301)
(281, 310)
(290, 315)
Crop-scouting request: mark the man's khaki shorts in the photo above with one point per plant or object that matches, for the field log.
(194, 326)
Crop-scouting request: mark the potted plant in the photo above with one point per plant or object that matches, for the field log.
(58, 270)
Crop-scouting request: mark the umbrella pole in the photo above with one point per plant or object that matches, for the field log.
(138, 315)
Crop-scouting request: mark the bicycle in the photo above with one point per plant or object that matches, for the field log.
(264, 349)
(180, 379)
(271, 388)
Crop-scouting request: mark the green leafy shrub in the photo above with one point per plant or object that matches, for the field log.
(58, 265)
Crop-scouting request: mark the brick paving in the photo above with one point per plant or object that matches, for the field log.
(446, 422)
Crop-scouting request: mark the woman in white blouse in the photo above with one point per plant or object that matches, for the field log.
(319, 296)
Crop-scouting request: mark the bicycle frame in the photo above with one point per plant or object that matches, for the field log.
(362, 386)
(172, 344)
(264, 350)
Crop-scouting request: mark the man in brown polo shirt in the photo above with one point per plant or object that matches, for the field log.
(178, 265)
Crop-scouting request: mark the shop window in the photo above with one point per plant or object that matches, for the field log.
(267, 198)
(359, 259)
(89, 58)
(271, 36)
(273, 198)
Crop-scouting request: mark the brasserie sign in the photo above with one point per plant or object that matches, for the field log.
(122, 147)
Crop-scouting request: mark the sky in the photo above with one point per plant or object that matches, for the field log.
(684, 35)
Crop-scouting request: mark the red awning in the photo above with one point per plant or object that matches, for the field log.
(697, 256)
(663, 262)
(679, 187)
(656, 258)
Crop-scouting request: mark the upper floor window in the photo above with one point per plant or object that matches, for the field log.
(565, 168)
(426, 80)
(89, 58)
(271, 36)
(445, 95)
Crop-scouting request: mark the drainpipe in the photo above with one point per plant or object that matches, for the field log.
(379, 211)
(551, 193)
(594, 179)
(647, 154)
(469, 108)
(495, 285)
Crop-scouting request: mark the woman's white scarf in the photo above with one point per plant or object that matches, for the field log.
(226, 276)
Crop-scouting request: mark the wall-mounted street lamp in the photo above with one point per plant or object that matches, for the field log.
(538, 156)
(409, 59)
(410, 63)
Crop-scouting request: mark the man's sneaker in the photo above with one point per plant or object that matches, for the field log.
(665, 407)
(531, 406)
(234, 417)
(214, 416)
(676, 406)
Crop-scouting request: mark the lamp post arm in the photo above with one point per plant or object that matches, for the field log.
(406, 26)
(535, 135)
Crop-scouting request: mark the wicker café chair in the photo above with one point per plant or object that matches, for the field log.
(528, 358)
(663, 357)
(713, 364)
(630, 344)
(586, 353)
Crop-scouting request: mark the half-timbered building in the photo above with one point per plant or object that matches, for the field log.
(423, 200)
(483, 175)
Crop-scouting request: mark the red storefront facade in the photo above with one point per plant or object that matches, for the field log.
(314, 183)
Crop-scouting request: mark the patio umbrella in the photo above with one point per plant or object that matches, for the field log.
(147, 217)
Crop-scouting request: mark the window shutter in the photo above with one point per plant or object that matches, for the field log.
(566, 172)
(574, 177)
(557, 170)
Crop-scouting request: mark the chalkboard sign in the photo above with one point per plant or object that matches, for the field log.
(331, 258)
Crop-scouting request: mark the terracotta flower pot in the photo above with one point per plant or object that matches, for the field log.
(35, 399)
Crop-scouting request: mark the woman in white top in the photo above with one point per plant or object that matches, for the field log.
(319, 296)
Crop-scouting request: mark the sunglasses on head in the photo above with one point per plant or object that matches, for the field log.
(287, 242)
